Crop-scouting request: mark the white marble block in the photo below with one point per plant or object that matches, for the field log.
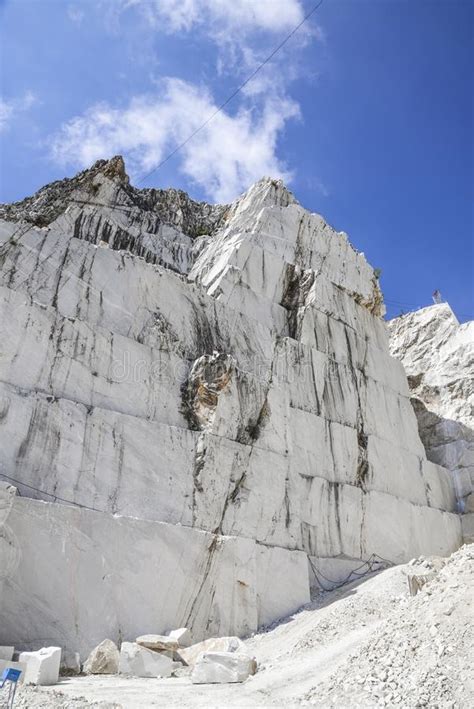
(222, 668)
(139, 661)
(42, 666)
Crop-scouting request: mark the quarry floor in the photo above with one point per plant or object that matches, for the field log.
(367, 644)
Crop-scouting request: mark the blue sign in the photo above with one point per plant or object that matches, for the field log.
(10, 675)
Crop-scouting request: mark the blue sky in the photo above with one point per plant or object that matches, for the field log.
(367, 113)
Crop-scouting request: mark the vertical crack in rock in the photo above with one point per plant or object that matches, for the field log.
(253, 428)
(297, 286)
(231, 498)
(61, 270)
(207, 576)
(333, 488)
(363, 467)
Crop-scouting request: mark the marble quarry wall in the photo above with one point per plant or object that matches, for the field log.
(195, 400)
(438, 355)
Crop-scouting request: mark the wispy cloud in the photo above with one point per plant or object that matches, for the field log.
(230, 153)
(218, 16)
(243, 31)
(9, 108)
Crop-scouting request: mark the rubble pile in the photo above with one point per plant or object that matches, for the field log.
(422, 654)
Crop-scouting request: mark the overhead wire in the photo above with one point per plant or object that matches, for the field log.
(374, 563)
(233, 94)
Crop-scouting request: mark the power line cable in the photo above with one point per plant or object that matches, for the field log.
(232, 95)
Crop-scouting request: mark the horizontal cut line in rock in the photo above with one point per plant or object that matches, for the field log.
(370, 562)
(45, 394)
(212, 435)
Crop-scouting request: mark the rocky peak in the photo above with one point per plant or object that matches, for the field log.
(160, 225)
(107, 185)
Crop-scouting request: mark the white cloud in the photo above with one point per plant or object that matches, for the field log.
(221, 15)
(244, 31)
(230, 153)
(9, 108)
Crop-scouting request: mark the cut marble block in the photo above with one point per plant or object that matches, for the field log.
(222, 668)
(191, 654)
(42, 666)
(139, 661)
(157, 642)
(182, 637)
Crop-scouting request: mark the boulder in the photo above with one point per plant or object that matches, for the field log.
(182, 637)
(158, 642)
(42, 666)
(103, 660)
(140, 661)
(227, 644)
(6, 652)
(223, 668)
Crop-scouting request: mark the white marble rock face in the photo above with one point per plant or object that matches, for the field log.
(438, 355)
(194, 399)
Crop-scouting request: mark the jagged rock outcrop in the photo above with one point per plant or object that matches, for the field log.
(438, 355)
(188, 428)
(162, 226)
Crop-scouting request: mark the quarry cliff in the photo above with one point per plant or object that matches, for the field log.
(198, 411)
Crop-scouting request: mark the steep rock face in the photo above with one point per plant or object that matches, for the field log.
(235, 397)
(438, 355)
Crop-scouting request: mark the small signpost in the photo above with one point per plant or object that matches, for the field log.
(10, 677)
